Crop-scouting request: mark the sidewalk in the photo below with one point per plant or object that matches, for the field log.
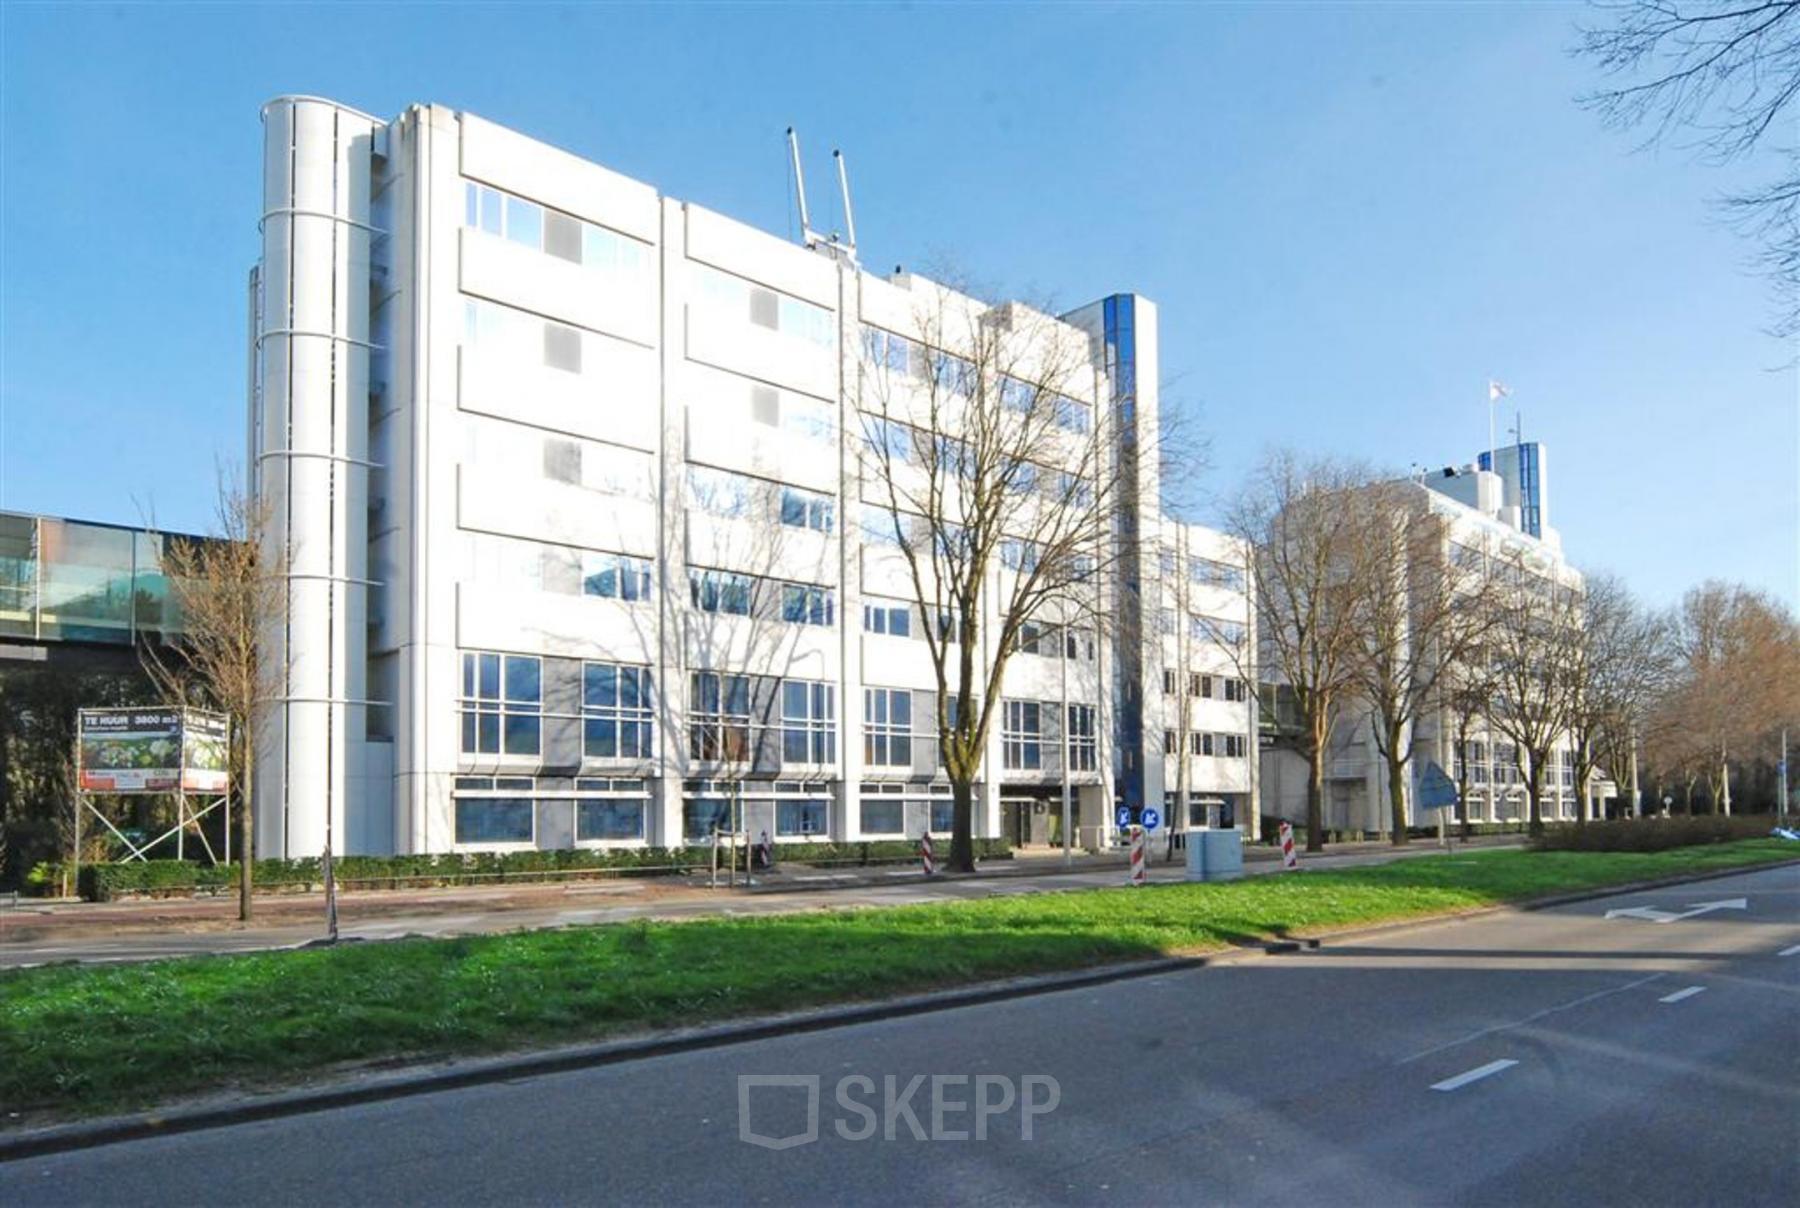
(43, 933)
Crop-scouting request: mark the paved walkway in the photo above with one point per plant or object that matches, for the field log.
(36, 934)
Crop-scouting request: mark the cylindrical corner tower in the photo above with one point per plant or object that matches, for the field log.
(309, 446)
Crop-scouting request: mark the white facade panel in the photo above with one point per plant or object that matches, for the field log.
(566, 182)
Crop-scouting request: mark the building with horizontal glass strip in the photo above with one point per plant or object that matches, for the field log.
(580, 550)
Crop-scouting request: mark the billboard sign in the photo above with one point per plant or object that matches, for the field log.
(152, 751)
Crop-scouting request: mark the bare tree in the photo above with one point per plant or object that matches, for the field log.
(1727, 70)
(1313, 527)
(1426, 614)
(229, 603)
(996, 485)
(1619, 664)
(1534, 640)
(1468, 692)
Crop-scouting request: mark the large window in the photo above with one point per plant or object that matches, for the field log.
(884, 807)
(721, 492)
(719, 717)
(1084, 747)
(502, 704)
(808, 722)
(493, 811)
(550, 231)
(1216, 574)
(609, 810)
(807, 509)
(720, 591)
(887, 727)
(803, 818)
(615, 576)
(616, 711)
(521, 335)
(765, 307)
(890, 617)
(1021, 735)
(803, 604)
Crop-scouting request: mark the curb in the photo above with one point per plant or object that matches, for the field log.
(68, 1137)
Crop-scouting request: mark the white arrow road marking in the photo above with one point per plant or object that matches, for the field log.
(1681, 994)
(1474, 1075)
(1653, 915)
(1794, 951)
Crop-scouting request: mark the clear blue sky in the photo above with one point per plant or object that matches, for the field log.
(1351, 216)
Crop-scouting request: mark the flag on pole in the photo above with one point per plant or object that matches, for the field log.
(1496, 391)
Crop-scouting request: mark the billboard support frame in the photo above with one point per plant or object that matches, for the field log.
(185, 815)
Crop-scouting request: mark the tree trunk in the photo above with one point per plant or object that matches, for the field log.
(1315, 801)
(246, 834)
(962, 832)
(1534, 789)
(1396, 771)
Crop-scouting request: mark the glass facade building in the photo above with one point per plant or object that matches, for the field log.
(72, 581)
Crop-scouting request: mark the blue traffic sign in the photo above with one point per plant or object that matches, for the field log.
(1435, 790)
(1152, 819)
(1123, 816)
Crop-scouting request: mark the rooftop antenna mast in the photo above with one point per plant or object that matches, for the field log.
(830, 244)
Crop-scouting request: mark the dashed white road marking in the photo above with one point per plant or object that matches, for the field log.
(1681, 994)
(1794, 951)
(1474, 1075)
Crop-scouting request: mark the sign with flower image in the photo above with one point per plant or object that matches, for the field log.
(152, 751)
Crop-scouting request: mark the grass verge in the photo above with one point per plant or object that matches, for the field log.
(85, 1039)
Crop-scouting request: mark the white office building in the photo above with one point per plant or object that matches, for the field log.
(563, 475)
(1489, 519)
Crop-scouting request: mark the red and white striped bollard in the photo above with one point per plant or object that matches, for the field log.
(1288, 857)
(1139, 871)
(925, 860)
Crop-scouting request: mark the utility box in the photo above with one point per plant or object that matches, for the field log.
(1214, 853)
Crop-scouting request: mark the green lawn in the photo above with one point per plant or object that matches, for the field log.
(82, 1039)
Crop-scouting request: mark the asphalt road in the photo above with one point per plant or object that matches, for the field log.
(60, 934)
(1555, 1057)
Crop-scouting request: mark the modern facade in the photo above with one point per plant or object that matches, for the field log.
(1489, 520)
(565, 480)
(70, 584)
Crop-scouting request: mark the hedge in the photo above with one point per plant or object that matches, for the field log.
(170, 878)
(1653, 834)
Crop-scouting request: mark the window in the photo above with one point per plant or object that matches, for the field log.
(882, 815)
(1073, 415)
(885, 351)
(609, 810)
(495, 820)
(802, 604)
(1078, 644)
(1170, 745)
(1033, 638)
(807, 509)
(1019, 554)
(1165, 621)
(878, 526)
(615, 576)
(950, 625)
(1016, 395)
(701, 816)
(1166, 560)
(887, 727)
(720, 591)
(596, 467)
(550, 231)
(764, 307)
(616, 712)
(502, 704)
(1083, 745)
(1231, 746)
(1216, 574)
(1021, 734)
(1170, 680)
(1235, 690)
(720, 492)
(808, 722)
(887, 440)
(1200, 685)
(891, 618)
(719, 717)
(804, 818)
(1226, 633)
